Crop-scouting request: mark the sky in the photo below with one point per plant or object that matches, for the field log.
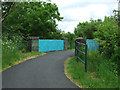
(75, 11)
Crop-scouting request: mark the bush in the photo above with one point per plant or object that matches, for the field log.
(99, 72)
(116, 59)
(106, 70)
(105, 31)
(10, 53)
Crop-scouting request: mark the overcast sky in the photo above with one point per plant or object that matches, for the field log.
(75, 11)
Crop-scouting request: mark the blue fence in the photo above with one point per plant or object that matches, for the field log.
(51, 45)
(78, 52)
(92, 45)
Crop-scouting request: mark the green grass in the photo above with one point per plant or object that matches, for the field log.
(11, 55)
(99, 74)
(30, 54)
(11, 59)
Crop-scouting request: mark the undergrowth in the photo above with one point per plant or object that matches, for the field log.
(101, 73)
(12, 54)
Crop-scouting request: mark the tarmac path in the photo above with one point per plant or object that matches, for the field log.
(45, 71)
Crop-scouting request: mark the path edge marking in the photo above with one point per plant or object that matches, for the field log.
(68, 76)
(21, 61)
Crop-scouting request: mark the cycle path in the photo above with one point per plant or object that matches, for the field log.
(45, 71)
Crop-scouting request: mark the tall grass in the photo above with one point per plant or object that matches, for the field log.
(101, 73)
(105, 70)
(11, 54)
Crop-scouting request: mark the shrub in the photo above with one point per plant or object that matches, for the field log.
(10, 52)
(106, 70)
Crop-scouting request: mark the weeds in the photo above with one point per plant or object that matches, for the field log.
(11, 54)
(100, 73)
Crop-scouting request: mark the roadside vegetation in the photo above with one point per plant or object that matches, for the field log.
(104, 64)
(21, 20)
(38, 19)
(12, 55)
(98, 75)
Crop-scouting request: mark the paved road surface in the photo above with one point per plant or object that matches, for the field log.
(42, 72)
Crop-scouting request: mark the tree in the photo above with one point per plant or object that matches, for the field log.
(32, 19)
(87, 29)
(107, 31)
(71, 39)
(6, 9)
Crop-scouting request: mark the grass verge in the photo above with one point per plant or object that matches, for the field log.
(75, 72)
(11, 61)
(66, 71)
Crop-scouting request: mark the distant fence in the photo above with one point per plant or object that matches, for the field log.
(23, 45)
(79, 51)
(81, 48)
(42, 45)
(51, 45)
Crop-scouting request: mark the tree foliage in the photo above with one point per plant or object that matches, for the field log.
(32, 19)
(86, 29)
(70, 39)
(107, 32)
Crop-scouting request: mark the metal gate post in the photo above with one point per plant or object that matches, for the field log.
(75, 48)
(77, 52)
(86, 58)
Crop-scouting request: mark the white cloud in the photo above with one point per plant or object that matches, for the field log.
(99, 10)
(62, 3)
(84, 14)
(75, 11)
(68, 27)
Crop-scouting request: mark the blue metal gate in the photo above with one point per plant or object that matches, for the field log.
(78, 51)
(51, 45)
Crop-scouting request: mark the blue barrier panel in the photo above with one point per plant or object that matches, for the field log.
(50, 45)
(92, 45)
